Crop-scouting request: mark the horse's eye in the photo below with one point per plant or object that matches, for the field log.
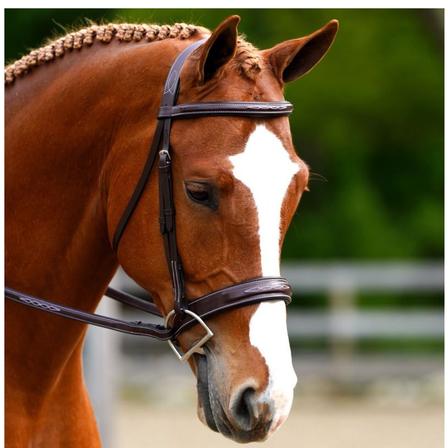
(202, 193)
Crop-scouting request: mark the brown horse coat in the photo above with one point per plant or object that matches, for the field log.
(77, 132)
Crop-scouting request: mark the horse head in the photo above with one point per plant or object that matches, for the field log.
(237, 182)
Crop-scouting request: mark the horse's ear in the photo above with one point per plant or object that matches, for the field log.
(294, 58)
(218, 49)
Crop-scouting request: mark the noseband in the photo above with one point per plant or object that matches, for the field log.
(184, 314)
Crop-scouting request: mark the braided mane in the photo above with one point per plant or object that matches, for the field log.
(247, 59)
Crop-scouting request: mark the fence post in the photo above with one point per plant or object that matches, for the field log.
(101, 352)
(342, 304)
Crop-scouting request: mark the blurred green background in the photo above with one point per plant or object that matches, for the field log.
(368, 120)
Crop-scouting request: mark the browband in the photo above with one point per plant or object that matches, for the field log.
(235, 108)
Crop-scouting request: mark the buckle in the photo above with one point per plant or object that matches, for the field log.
(197, 347)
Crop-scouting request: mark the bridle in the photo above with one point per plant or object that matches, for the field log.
(184, 314)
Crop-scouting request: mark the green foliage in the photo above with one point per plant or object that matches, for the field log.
(371, 301)
(391, 347)
(369, 119)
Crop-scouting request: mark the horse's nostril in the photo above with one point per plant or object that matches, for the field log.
(245, 409)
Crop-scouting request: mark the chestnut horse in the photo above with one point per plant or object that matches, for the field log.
(80, 114)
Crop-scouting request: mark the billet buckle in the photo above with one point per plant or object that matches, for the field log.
(197, 347)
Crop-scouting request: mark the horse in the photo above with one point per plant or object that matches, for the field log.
(79, 115)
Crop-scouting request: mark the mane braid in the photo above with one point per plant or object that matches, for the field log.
(247, 58)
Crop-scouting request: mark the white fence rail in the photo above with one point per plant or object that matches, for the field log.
(366, 324)
(353, 324)
(365, 277)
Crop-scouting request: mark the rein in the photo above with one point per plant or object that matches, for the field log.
(185, 314)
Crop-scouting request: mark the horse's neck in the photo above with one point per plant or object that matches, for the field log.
(56, 145)
(61, 124)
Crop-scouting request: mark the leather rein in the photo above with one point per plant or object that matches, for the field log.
(185, 314)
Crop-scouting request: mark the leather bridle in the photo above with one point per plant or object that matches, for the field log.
(185, 314)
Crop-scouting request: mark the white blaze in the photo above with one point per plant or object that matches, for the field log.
(267, 170)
